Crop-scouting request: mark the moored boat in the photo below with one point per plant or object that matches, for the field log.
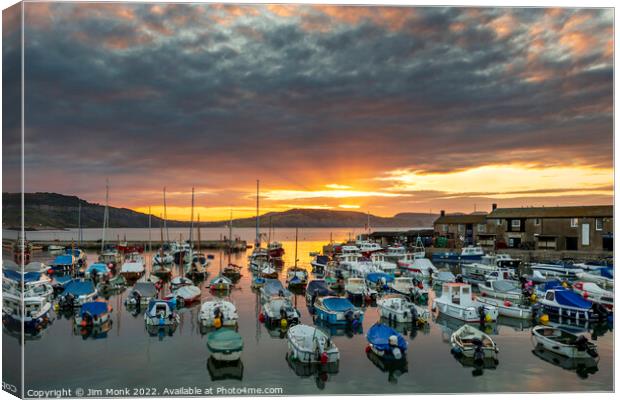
(279, 309)
(337, 311)
(507, 308)
(310, 345)
(568, 304)
(563, 342)
(93, 313)
(386, 343)
(141, 294)
(470, 342)
(456, 301)
(591, 291)
(217, 313)
(161, 313)
(76, 293)
(225, 344)
(398, 309)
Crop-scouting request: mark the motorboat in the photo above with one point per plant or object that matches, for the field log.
(468, 254)
(76, 293)
(110, 256)
(197, 268)
(419, 266)
(232, 272)
(65, 263)
(502, 289)
(274, 288)
(593, 265)
(593, 292)
(97, 271)
(368, 247)
(181, 252)
(501, 260)
(337, 311)
(456, 301)
(278, 309)
(28, 284)
(220, 283)
(179, 281)
(603, 277)
(93, 313)
(161, 313)
(319, 264)
(275, 250)
(310, 345)
(385, 342)
(399, 309)
(379, 281)
(35, 311)
(470, 342)
(568, 304)
(133, 267)
(225, 344)
(185, 295)
(267, 271)
(507, 308)
(402, 285)
(317, 288)
(258, 257)
(356, 289)
(217, 313)
(381, 261)
(141, 294)
(563, 342)
(441, 277)
(114, 283)
(296, 277)
(479, 272)
(557, 269)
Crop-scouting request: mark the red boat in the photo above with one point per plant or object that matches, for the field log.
(275, 250)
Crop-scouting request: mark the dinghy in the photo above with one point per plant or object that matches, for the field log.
(507, 308)
(267, 271)
(220, 283)
(398, 309)
(279, 309)
(133, 267)
(563, 342)
(225, 345)
(274, 288)
(386, 343)
(470, 342)
(185, 295)
(337, 311)
(232, 272)
(456, 301)
(93, 313)
(217, 313)
(161, 270)
(591, 291)
(161, 313)
(297, 277)
(309, 345)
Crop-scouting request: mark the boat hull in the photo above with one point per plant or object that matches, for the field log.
(467, 314)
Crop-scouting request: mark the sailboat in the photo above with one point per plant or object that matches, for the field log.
(163, 256)
(220, 283)
(197, 269)
(274, 248)
(296, 277)
(109, 255)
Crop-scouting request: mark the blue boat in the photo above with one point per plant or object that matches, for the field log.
(319, 264)
(76, 293)
(337, 311)
(63, 263)
(317, 288)
(97, 269)
(570, 305)
(93, 313)
(386, 343)
(379, 280)
(467, 255)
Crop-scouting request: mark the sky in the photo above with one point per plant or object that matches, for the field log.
(376, 109)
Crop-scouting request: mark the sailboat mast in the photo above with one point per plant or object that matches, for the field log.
(230, 232)
(166, 218)
(191, 222)
(199, 233)
(150, 245)
(296, 234)
(257, 211)
(105, 214)
(79, 223)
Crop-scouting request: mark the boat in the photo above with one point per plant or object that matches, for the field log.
(309, 345)
(141, 294)
(267, 271)
(181, 253)
(441, 277)
(476, 272)
(603, 277)
(108, 284)
(317, 288)
(197, 269)
(185, 295)
(274, 288)
(35, 311)
(220, 283)
(296, 277)
(507, 308)
(163, 258)
(217, 313)
(568, 304)
(64, 263)
(502, 289)
(419, 266)
(161, 270)
(232, 272)
(275, 250)
(381, 261)
(257, 281)
(225, 345)
(402, 285)
(110, 256)
(398, 309)
(367, 247)
(593, 292)
(258, 257)
(179, 281)
(469, 342)
(501, 260)
(160, 313)
(557, 269)
(279, 309)
(93, 313)
(467, 254)
(385, 342)
(356, 289)
(97, 271)
(319, 264)
(28, 284)
(76, 293)
(55, 247)
(78, 254)
(379, 281)
(337, 311)
(133, 267)
(456, 301)
(563, 342)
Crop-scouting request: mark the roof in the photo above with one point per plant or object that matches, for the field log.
(553, 212)
(461, 219)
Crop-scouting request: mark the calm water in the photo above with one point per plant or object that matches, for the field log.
(127, 357)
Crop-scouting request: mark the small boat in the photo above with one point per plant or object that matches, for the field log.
(456, 301)
(93, 313)
(110, 256)
(225, 345)
(470, 342)
(403, 285)
(356, 289)
(55, 247)
(317, 288)
(398, 309)
(161, 270)
(114, 283)
(381, 261)
(467, 254)
(502, 289)
(197, 268)
(593, 292)
(35, 314)
(267, 271)
(557, 269)
(568, 304)
(563, 342)
(133, 267)
(76, 293)
(141, 294)
(28, 284)
(97, 271)
(232, 272)
(386, 343)
(163, 258)
(161, 313)
(309, 345)
(501, 260)
(278, 309)
(179, 281)
(220, 283)
(379, 281)
(257, 281)
(476, 272)
(297, 277)
(63, 263)
(603, 277)
(274, 288)
(337, 311)
(319, 264)
(441, 277)
(185, 295)
(368, 247)
(217, 313)
(507, 308)
(275, 249)
(78, 254)
(418, 266)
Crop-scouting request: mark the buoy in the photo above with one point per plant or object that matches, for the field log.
(56, 307)
(367, 349)
(261, 317)
(488, 318)
(585, 295)
(324, 358)
(544, 318)
(533, 297)
(564, 284)
(283, 323)
(83, 323)
(507, 303)
(50, 271)
(217, 322)
(109, 308)
(483, 294)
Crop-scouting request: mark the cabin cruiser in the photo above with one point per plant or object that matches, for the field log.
(319, 264)
(367, 247)
(570, 305)
(456, 301)
(34, 313)
(394, 253)
(381, 261)
(502, 289)
(31, 284)
(355, 265)
(467, 254)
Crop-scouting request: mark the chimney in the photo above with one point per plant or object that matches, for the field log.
(443, 213)
(494, 206)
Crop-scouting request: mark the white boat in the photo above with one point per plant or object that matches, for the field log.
(356, 288)
(502, 289)
(160, 313)
(441, 277)
(602, 277)
(280, 308)
(297, 277)
(163, 258)
(403, 285)
(30, 284)
(268, 271)
(420, 266)
(141, 293)
(369, 247)
(133, 267)
(197, 268)
(501, 260)
(563, 342)
(179, 281)
(220, 309)
(557, 269)
(381, 261)
(111, 256)
(456, 301)
(399, 309)
(185, 295)
(507, 308)
(310, 345)
(36, 309)
(593, 292)
(220, 283)
(274, 288)
(471, 342)
(477, 272)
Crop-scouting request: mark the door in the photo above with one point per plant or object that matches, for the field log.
(571, 243)
(585, 234)
(608, 243)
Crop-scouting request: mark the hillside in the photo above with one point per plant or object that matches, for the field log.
(57, 211)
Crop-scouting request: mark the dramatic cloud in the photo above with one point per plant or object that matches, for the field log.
(321, 103)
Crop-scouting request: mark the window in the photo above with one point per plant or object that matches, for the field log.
(537, 221)
(599, 224)
(515, 224)
(574, 222)
(461, 228)
(499, 222)
(482, 228)
(550, 296)
(445, 228)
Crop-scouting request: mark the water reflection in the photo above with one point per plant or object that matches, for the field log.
(339, 330)
(225, 370)
(583, 367)
(320, 373)
(93, 332)
(394, 368)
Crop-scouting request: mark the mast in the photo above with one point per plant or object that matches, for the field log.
(191, 222)
(230, 232)
(150, 245)
(296, 231)
(161, 230)
(166, 218)
(198, 223)
(257, 240)
(79, 223)
(105, 214)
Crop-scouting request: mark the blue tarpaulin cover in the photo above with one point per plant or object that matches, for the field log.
(571, 299)
(379, 337)
(337, 304)
(101, 268)
(322, 260)
(94, 308)
(607, 273)
(17, 276)
(551, 285)
(224, 340)
(375, 277)
(63, 260)
(320, 286)
(78, 288)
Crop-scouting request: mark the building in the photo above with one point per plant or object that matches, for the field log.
(553, 228)
(465, 229)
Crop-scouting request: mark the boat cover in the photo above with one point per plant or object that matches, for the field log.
(337, 303)
(320, 286)
(146, 289)
(98, 267)
(63, 260)
(323, 260)
(571, 299)
(273, 287)
(17, 276)
(505, 286)
(63, 279)
(94, 308)
(186, 292)
(221, 279)
(375, 277)
(224, 340)
(153, 302)
(607, 272)
(553, 284)
(78, 288)
(445, 276)
(379, 336)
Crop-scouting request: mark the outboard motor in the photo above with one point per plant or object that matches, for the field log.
(414, 315)
(481, 314)
(478, 352)
(459, 278)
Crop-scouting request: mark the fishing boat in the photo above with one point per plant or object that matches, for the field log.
(274, 288)
(160, 313)
(133, 267)
(593, 292)
(381, 261)
(398, 309)
(97, 271)
(309, 345)
(563, 342)
(557, 269)
(179, 281)
(603, 277)
(441, 277)
(275, 249)
(279, 309)
(296, 277)
(386, 343)
(468, 254)
(470, 342)
(395, 252)
(232, 272)
(28, 284)
(64, 263)
(476, 272)
(267, 271)
(319, 264)
(379, 281)
(507, 308)
(317, 288)
(419, 266)
(356, 289)
(502, 289)
(367, 247)
(93, 313)
(141, 294)
(225, 345)
(76, 293)
(34, 313)
(185, 295)
(456, 301)
(402, 285)
(220, 283)
(337, 311)
(217, 313)
(568, 304)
